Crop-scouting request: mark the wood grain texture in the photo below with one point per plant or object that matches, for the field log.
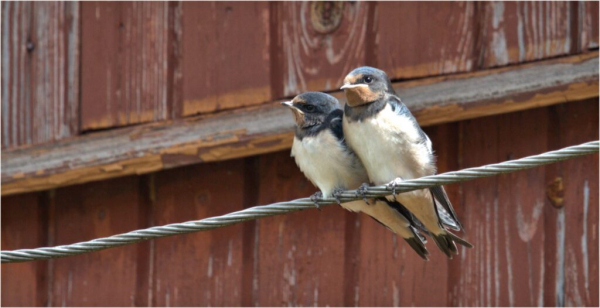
(200, 269)
(588, 22)
(85, 212)
(417, 39)
(225, 56)
(503, 214)
(300, 256)
(124, 63)
(580, 179)
(313, 60)
(268, 128)
(40, 72)
(514, 32)
(23, 226)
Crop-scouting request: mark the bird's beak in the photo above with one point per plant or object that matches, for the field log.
(298, 114)
(350, 86)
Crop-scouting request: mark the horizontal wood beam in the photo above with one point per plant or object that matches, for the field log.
(267, 128)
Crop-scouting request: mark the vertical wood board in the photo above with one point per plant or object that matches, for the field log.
(225, 56)
(205, 268)
(40, 72)
(124, 63)
(24, 226)
(515, 32)
(318, 44)
(417, 39)
(86, 212)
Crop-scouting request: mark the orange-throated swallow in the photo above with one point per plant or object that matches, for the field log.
(386, 137)
(321, 153)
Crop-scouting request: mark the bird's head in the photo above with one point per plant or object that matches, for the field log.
(312, 108)
(365, 85)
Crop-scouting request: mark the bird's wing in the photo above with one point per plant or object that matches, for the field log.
(416, 241)
(448, 216)
(399, 108)
(414, 221)
(334, 120)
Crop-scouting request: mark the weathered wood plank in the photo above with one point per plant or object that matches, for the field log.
(219, 72)
(124, 63)
(40, 72)
(89, 211)
(478, 138)
(588, 21)
(24, 225)
(503, 214)
(514, 32)
(299, 257)
(318, 43)
(580, 179)
(268, 128)
(417, 39)
(205, 269)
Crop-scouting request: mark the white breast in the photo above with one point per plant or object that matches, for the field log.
(389, 146)
(327, 164)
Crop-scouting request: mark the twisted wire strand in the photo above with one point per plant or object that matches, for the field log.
(24, 255)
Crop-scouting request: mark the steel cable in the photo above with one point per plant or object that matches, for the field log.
(24, 255)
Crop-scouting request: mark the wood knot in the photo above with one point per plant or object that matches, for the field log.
(326, 16)
(555, 193)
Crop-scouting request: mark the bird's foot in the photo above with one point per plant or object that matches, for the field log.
(394, 184)
(316, 197)
(336, 194)
(362, 192)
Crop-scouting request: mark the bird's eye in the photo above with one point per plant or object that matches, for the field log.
(368, 79)
(309, 108)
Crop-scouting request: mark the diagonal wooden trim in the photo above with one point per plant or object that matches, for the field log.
(267, 128)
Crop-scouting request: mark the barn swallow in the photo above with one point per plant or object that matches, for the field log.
(386, 137)
(321, 153)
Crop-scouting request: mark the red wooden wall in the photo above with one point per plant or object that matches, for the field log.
(72, 68)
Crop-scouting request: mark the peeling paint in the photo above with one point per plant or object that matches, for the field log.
(230, 253)
(498, 37)
(209, 270)
(395, 294)
(584, 241)
(527, 229)
(497, 277)
(560, 258)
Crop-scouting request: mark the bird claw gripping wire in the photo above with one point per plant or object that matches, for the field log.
(336, 194)
(362, 192)
(316, 197)
(394, 184)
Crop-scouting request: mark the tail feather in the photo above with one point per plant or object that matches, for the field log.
(445, 244)
(414, 221)
(460, 240)
(417, 242)
(394, 215)
(418, 247)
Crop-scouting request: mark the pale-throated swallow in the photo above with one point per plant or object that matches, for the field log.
(386, 137)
